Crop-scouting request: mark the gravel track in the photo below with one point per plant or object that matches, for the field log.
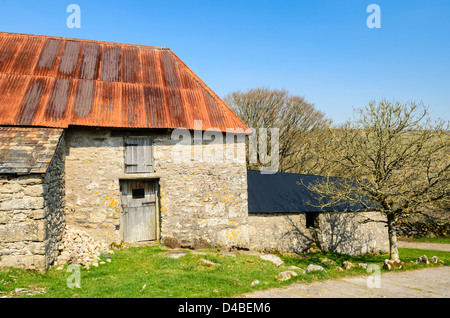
(423, 283)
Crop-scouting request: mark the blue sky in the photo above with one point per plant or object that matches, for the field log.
(322, 50)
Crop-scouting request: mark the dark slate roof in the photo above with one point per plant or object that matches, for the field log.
(283, 193)
(27, 150)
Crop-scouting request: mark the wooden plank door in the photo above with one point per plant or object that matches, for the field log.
(138, 210)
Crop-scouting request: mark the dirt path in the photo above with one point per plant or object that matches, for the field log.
(424, 283)
(425, 245)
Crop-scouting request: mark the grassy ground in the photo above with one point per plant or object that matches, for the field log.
(147, 272)
(432, 239)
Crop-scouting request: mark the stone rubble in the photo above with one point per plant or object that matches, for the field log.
(350, 265)
(423, 259)
(390, 264)
(347, 265)
(313, 268)
(208, 263)
(23, 292)
(78, 248)
(272, 258)
(286, 275)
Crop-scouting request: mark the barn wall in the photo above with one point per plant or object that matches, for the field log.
(94, 163)
(345, 233)
(338, 232)
(201, 203)
(54, 204)
(22, 229)
(32, 216)
(278, 232)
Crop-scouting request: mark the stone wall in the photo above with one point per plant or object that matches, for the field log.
(202, 202)
(423, 229)
(279, 232)
(345, 233)
(337, 232)
(54, 204)
(32, 216)
(94, 163)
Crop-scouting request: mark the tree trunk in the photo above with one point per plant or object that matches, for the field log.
(393, 249)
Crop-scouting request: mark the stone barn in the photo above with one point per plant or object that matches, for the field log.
(285, 216)
(122, 141)
(130, 129)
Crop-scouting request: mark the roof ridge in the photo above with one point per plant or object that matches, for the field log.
(154, 47)
(290, 173)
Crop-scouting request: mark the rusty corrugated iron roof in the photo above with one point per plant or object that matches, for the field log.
(57, 82)
(25, 150)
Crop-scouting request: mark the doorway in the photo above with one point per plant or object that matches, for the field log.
(139, 217)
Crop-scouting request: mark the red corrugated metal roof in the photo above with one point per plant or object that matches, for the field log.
(57, 82)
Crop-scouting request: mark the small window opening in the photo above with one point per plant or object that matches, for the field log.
(312, 220)
(138, 193)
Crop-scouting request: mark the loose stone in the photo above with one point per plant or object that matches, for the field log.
(272, 258)
(286, 275)
(313, 268)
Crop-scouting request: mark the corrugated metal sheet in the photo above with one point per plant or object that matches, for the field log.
(25, 150)
(57, 82)
(286, 193)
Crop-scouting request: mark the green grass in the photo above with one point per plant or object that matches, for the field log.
(432, 239)
(133, 268)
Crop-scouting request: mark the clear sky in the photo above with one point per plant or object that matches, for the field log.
(322, 50)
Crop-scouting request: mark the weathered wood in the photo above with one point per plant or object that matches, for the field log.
(138, 155)
(139, 214)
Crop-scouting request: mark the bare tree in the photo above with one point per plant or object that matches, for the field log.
(299, 123)
(392, 159)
